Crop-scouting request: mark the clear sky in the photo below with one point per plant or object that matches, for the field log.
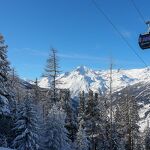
(76, 29)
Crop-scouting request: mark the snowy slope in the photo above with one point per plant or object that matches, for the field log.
(83, 78)
(141, 91)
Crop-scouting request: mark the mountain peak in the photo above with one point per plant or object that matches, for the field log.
(82, 69)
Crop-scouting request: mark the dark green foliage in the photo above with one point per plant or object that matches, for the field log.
(6, 125)
(92, 119)
(147, 138)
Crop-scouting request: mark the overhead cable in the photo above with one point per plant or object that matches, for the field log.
(119, 33)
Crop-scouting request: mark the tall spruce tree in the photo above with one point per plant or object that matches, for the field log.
(103, 124)
(82, 142)
(56, 133)
(127, 121)
(5, 97)
(81, 108)
(82, 138)
(147, 137)
(70, 120)
(91, 119)
(4, 70)
(26, 127)
(14, 84)
(37, 92)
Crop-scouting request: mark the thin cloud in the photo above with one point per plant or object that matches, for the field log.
(35, 52)
(85, 57)
(73, 56)
(126, 34)
(30, 51)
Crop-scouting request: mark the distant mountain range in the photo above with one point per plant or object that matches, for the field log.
(83, 78)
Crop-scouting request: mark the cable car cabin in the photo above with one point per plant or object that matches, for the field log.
(144, 40)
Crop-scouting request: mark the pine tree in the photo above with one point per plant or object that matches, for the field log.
(26, 127)
(127, 118)
(13, 82)
(147, 137)
(70, 120)
(132, 120)
(4, 70)
(56, 133)
(92, 119)
(3, 141)
(51, 72)
(81, 109)
(16, 88)
(118, 122)
(5, 96)
(82, 141)
(37, 96)
(36, 92)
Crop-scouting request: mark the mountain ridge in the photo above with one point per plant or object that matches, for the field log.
(83, 78)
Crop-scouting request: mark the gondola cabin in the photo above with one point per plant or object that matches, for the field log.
(144, 40)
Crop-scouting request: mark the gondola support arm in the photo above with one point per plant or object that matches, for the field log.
(148, 25)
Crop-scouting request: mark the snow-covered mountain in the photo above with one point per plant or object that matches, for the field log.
(83, 78)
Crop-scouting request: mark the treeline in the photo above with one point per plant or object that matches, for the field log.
(32, 118)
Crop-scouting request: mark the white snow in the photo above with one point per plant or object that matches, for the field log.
(144, 119)
(83, 78)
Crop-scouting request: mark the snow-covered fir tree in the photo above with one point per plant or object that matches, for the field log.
(55, 132)
(102, 124)
(26, 126)
(92, 119)
(126, 120)
(4, 71)
(3, 141)
(5, 95)
(147, 137)
(70, 120)
(37, 96)
(36, 92)
(81, 108)
(14, 84)
(82, 142)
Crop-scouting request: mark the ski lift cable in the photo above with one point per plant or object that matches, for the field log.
(138, 11)
(119, 33)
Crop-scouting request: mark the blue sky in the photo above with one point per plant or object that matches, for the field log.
(76, 29)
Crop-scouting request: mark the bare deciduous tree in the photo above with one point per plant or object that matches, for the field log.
(52, 72)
